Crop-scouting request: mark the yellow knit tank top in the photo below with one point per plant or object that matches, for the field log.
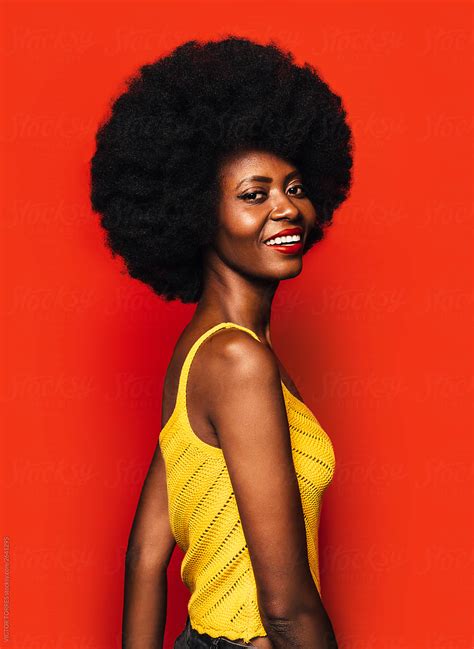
(204, 517)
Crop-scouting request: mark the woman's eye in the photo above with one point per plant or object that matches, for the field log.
(298, 187)
(251, 195)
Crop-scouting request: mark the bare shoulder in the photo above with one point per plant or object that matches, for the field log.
(234, 355)
(240, 372)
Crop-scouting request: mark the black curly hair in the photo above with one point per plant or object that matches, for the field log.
(155, 170)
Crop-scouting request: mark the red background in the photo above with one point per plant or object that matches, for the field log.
(374, 331)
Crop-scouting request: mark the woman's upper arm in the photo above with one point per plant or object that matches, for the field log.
(247, 409)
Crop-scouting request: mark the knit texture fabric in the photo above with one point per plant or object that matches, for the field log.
(204, 517)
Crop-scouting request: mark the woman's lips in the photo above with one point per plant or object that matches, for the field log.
(287, 249)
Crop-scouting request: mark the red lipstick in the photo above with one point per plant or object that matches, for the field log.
(287, 248)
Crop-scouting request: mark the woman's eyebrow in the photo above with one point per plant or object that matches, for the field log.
(267, 179)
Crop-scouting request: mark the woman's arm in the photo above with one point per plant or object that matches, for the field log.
(149, 550)
(248, 412)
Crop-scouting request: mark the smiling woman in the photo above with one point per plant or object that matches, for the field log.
(216, 172)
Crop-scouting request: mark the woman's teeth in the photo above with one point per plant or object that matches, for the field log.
(278, 241)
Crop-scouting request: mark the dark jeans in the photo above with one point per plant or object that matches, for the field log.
(191, 639)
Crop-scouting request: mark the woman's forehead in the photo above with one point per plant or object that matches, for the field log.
(245, 164)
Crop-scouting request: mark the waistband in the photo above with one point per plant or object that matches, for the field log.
(194, 639)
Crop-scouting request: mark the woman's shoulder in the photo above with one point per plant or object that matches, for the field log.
(231, 357)
(222, 351)
(227, 353)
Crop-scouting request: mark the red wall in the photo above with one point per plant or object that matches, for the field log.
(374, 331)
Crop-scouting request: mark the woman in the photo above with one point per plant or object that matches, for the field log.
(215, 173)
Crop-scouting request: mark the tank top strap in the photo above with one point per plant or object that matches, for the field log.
(183, 379)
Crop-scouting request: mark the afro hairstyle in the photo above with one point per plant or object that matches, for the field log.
(155, 169)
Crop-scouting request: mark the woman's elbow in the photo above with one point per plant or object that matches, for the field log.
(146, 559)
(289, 604)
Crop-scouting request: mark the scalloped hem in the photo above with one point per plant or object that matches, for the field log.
(228, 633)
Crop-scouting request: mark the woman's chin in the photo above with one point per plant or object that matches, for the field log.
(293, 270)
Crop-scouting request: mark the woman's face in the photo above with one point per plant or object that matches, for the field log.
(261, 196)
